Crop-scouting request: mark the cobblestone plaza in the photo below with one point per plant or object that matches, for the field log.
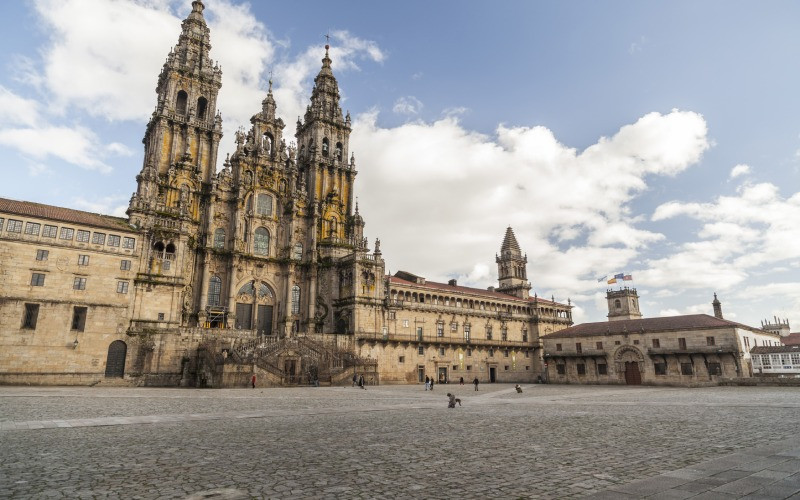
(550, 441)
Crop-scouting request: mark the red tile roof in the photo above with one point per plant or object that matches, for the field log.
(647, 325)
(791, 339)
(768, 349)
(472, 291)
(59, 214)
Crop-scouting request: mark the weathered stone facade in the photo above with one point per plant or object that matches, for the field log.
(261, 268)
(690, 350)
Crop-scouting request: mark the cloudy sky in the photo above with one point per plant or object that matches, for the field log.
(658, 139)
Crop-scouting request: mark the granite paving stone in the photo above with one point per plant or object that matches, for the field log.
(552, 441)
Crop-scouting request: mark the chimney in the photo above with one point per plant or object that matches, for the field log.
(452, 283)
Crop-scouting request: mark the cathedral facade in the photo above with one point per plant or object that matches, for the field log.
(261, 268)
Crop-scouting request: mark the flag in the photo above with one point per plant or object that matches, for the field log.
(627, 277)
(619, 276)
(600, 280)
(612, 281)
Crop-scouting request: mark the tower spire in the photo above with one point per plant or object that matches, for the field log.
(512, 267)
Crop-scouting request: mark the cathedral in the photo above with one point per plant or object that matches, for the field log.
(260, 269)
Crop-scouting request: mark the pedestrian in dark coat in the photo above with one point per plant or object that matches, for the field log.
(253, 381)
(476, 383)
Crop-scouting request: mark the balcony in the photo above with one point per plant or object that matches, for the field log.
(412, 338)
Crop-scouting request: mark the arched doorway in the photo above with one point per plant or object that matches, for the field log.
(629, 362)
(115, 362)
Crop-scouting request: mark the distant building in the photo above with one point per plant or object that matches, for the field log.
(779, 361)
(778, 325)
(687, 350)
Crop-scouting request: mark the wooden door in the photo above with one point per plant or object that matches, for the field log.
(115, 362)
(632, 374)
(264, 320)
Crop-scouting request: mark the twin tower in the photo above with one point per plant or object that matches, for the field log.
(242, 247)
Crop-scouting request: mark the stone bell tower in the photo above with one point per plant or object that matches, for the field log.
(512, 268)
(323, 138)
(623, 304)
(181, 141)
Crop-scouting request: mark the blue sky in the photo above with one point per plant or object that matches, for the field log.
(660, 139)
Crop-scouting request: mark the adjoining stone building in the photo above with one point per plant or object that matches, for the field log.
(261, 268)
(695, 349)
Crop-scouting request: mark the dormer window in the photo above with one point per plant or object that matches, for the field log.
(325, 147)
(180, 103)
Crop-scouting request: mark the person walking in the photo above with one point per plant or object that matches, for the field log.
(476, 383)
(461, 380)
(361, 382)
(355, 379)
(253, 381)
(431, 383)
(427, 382)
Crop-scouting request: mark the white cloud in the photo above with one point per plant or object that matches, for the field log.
(76, 145)
(468, 187)
(739, 170)
(637, 46)
(110, 205)
(409, 105)
(741, 237)
(17, 110)
(111, 53)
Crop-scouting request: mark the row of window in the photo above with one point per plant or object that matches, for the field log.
(83, 260)
(400, 297)
(31, 315)
(490, 352)
(658, 368)
(788, 360)
(78, 283)
(68, 233)
(454, 328)
(656, 343)
(215, 292)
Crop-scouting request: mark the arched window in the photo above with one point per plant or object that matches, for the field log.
(180, 103)
(326, 146)
(297, 252)
(202, 105)
(295, 299)
(158, 248)
(169, 251)
(339, 151)
(261, 242)
(264, 205)
(219, 239)
(618, 304)
(266, 143)
(214, 290)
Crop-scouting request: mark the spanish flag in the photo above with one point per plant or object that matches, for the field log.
(612, 281)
